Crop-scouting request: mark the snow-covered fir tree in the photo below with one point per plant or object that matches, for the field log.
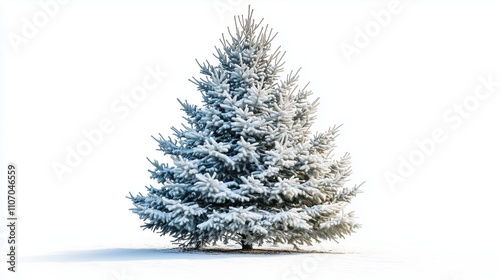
(246, 167)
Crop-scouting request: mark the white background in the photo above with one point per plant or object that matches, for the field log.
(392, 93)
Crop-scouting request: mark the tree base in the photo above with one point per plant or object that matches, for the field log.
(245, 246)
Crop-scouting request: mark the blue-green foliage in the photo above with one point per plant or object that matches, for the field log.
(245, 166)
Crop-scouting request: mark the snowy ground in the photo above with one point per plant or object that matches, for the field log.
(154, 261)
(137, 263)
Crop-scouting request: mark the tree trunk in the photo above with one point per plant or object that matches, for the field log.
(244, 245)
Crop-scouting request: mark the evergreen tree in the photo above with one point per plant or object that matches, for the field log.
(245, 167)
